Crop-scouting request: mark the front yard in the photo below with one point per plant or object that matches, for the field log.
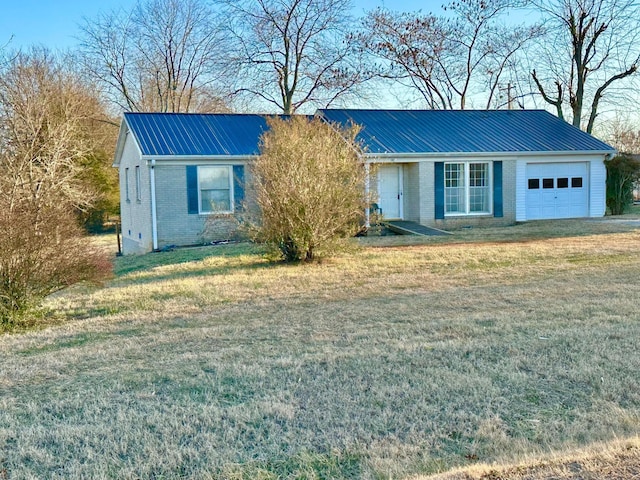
(486, 346)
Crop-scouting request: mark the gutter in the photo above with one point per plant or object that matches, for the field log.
(197, 158)
(399, 157)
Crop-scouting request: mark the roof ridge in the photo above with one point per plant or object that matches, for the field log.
(408, 110)
(238, 114)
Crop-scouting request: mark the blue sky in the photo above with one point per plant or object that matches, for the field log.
(54, 23)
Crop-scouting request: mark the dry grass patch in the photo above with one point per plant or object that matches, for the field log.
(211, 363)
(618, 460)
(188, 281)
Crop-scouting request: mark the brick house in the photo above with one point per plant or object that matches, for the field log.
(439, 168)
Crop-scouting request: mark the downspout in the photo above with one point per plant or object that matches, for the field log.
(154, 216)
(367, 211)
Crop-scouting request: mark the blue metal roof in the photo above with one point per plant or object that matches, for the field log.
(465, 131)
(187, 134)
(383, 132)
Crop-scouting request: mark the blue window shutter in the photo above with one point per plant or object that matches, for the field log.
(438, 179)
(192, 189)
(238, 187)
(497, 190)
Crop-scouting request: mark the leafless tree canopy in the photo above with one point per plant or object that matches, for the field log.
(448, 59)
(162, 56)
(43, 142)
(594, 47)
(42, 109)
(623, 135)
(290, 53)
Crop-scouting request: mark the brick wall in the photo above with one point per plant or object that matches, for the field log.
(411, 191)
(427, 201)
(135, 212)
(175, 225)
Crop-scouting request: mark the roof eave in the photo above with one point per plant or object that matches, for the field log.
(190, 158)
(122, 137)
(418, 155)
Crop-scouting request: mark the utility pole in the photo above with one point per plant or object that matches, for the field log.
(509, 96)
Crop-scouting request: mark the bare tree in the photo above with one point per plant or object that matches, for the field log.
(291, 53)
(163, 56)
(595, 44)
(42, 108)
(409, 45)
(628, 141)
(447, 59)
(43, 141)
(624, 135)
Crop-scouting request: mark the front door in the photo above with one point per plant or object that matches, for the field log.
(390, 191)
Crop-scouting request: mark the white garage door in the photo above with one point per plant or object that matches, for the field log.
(557, 190)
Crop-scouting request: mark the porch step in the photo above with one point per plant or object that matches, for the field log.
(404, 227)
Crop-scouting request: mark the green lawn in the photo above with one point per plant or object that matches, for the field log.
(485, 346)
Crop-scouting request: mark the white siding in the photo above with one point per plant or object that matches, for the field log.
(521, 190)
(598, 180)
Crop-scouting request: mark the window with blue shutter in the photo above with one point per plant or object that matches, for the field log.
(209, 188)
(464, 188)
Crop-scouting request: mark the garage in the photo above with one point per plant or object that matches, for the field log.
(557, 190)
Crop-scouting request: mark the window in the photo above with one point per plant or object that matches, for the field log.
(126, 184)
(138, 196)
(479, 187)
(454, 187)
(467, 188)
(576, 182)
(563, 183)
(534, 183)
(215, 189)
(547, 183)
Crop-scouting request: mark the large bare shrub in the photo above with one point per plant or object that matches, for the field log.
(43, 251)
(309, 183)
(42, 148)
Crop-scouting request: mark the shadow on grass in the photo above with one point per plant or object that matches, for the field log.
(248, 264)
(79, 340)
(522, 232)
(305, 464)
(139, 263)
